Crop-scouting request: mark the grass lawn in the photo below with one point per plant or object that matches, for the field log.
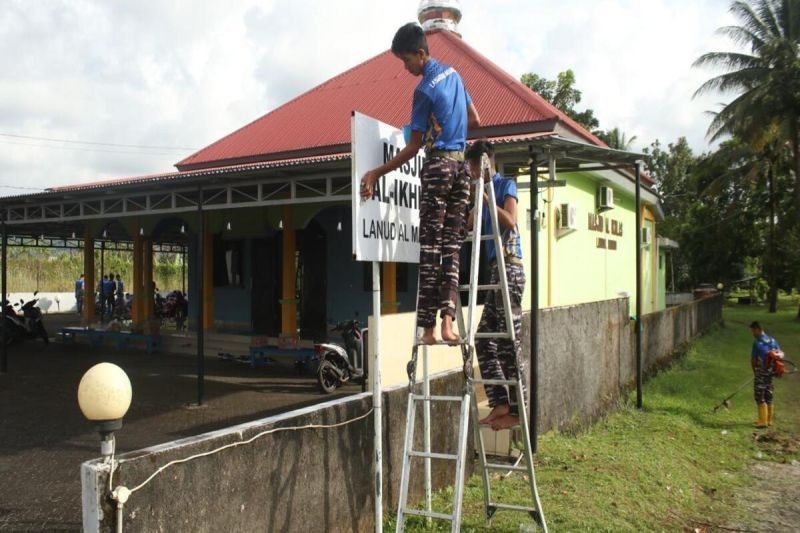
(675, 465)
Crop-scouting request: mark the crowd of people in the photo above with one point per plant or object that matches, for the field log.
(111, 290)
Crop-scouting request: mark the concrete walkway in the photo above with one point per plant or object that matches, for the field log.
(44, 437)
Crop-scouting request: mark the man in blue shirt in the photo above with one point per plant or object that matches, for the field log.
(441, 111)
(107, 299)
(499, 358)
(79, 294)
(762, 365)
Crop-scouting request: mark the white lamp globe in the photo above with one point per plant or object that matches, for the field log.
(104, 393)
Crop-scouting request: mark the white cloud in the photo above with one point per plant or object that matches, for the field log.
(185, 73)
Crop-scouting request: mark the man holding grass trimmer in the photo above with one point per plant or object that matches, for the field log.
(764, 358)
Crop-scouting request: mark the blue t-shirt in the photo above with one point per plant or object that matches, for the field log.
(108, 286)
(440, 108)
(503, 188)
(763, 345)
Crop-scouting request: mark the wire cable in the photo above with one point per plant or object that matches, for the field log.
(86, 149)
(242, 442)
(70, 141)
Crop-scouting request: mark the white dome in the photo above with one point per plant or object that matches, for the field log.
(104, 392)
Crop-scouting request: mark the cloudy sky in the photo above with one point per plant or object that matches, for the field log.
(136, 85)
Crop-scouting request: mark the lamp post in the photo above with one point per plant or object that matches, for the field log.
(104, 396)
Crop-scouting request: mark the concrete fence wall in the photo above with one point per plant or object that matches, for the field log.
(298, 480)
(322, 479)
(587, 355)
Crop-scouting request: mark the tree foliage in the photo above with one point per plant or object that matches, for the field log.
(616, 138)
(765, 80)
(563, 94)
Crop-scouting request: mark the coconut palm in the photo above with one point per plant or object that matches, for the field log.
(766, 81)
(616, 138)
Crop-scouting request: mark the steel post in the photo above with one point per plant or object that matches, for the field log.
(533, 383)
(200, 287)
(3, 282)
(377, 400)
(638, 241)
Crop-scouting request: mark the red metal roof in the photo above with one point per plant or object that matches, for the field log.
(319, 120)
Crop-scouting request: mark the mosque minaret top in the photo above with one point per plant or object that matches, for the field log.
(439, 14)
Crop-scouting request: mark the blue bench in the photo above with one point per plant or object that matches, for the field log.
(152, 343)
(261, 355)
(95, 337)
(123, 339)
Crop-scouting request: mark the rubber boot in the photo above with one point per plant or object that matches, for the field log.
(762, 416)
(770, 410)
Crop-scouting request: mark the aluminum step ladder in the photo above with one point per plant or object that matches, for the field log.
(467, 400)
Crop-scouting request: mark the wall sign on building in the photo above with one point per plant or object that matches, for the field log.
(385, 227)
(602, 224)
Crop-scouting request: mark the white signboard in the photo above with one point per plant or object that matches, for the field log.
(385, 227)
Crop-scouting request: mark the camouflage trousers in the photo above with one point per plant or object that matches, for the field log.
(499, 358)
(442, 221)
(762, 385)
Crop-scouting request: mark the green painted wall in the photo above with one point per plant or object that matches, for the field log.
(588, 264)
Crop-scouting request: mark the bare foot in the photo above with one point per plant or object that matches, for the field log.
(497, 412)
(448, 335)
(427, 337)
(505, 422)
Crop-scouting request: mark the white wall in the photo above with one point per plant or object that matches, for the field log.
(49, 302)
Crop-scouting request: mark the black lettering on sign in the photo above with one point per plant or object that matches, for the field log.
(412, 167)
(612, 245)
(601, 243)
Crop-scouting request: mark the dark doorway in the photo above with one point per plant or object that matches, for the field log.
(266, 295)
(313, 285)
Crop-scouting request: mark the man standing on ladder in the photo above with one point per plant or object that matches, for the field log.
(441, 112)
(498, 358)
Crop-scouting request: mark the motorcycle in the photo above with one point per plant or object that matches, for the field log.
(29, 325)
(335, 361)
(174, 307)
(123, 306)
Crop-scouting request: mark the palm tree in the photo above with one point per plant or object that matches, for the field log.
(616, 138)
(766, 81)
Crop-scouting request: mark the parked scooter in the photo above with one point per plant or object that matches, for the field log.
(174, 307)
(29, 325)
(336, 361)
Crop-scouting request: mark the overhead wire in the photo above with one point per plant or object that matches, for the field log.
(72, 141)
(79, 149)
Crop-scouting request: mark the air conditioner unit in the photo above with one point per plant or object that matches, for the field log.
(605, 198)
(567, 217)
(647, 236)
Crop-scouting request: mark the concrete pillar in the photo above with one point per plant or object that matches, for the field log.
(389, 304)
(147, 279)
(89, 281)
(136, 283)
(208, 276)
(289, 275)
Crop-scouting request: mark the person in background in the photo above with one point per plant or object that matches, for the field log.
(79, 294)
(108, 294)
(761, 361)
(120, 291)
